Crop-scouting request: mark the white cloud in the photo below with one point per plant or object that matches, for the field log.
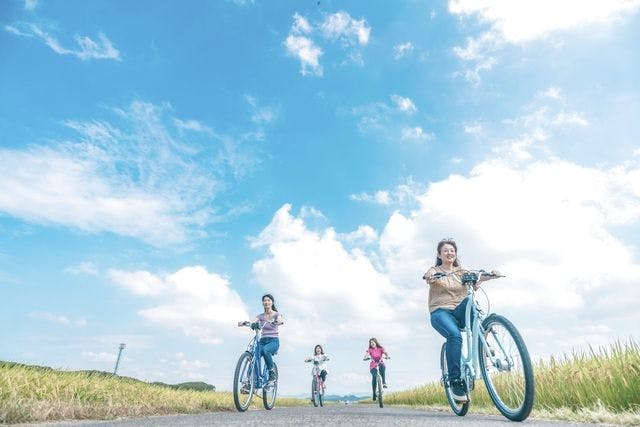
(337, 27)
(261, 114)
(87, 48)
(416, 134)
(85, 268)
(402, 49)
(320, 285)
(572, 118)
(475, 129)
(131, 177)
(191, 125)
(300, 25)
(307, 52)
(401, 194)
(365, 234)
(199, 303)
(58, 319)
(341, 26)
(404, 104)
(528, 20)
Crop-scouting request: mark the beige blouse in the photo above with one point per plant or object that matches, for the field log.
(446, 292)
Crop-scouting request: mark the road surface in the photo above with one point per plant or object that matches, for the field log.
(331, 415)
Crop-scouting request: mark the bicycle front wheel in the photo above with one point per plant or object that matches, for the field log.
(458, 408)
(321, 395)
(506, 368)
(314, 391)
(379, 387)
(270, 391)
(243, 384)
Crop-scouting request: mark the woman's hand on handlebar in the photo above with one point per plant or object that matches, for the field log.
(244, 323)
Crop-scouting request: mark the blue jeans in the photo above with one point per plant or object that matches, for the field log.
(374, 376)
(269, 346)
(448, 323)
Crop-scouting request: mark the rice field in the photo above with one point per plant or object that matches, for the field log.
(31, 393)
(600, 385)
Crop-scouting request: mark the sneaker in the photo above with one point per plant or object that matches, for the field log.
(272, 377)
(384, 385)
(245, 389)
(459, 391)
(374, 397)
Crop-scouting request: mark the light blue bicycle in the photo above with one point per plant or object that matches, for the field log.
(251, 375)
(494, 349)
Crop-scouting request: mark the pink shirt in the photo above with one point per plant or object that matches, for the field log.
(376, 356)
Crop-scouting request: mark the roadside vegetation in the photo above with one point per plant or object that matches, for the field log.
(601, 385)
(33, 393)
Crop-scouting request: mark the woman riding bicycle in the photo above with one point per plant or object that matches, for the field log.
(320, 358)
(270, 319)
(375, 353)
(447, 304)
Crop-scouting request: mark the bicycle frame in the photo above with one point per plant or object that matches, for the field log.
(474, 333)
(257, 370)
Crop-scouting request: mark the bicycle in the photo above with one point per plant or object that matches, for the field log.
(379, 386)
(494, 348)
(251, 375)
(317, 385)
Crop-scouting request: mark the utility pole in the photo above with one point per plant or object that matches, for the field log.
(120, 348)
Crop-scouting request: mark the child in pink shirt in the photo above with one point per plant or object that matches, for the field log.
(375, 352)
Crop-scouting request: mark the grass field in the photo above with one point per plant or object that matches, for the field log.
(31, 393)
(600, 385)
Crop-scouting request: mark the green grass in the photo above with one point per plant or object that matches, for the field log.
(33, 393)
(600, 385)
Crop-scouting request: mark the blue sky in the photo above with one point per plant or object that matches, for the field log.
(163, 166)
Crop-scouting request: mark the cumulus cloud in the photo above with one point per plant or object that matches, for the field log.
(320, 284)
(87, 48)
(307, 52)
(529, 20)
(526, 21)
(337, 27)
(341, 26)
(199, 303)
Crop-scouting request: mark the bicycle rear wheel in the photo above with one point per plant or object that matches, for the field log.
(314, 391)
(379, 387)
(270, 391)
(243, 384)
(506, 368)
(458, 408)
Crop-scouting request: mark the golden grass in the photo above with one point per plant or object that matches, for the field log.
(29, 393)
(600, 386)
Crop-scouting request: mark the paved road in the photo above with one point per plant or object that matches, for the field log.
(332, 415)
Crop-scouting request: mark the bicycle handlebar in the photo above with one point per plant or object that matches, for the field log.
(478, 273)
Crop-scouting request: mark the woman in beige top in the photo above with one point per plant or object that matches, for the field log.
(447, 304)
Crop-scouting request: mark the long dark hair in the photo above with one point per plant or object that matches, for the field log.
(273, 301)
(376, 341)
(443, 242)
(316, 347)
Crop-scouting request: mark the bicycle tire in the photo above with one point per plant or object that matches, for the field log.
(321, 395)
(314, 392)
(270, 391)
(512, 388)
(242, 377)
(458, 408)
(379, 387)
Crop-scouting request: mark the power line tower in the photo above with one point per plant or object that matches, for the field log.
(120, 348)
